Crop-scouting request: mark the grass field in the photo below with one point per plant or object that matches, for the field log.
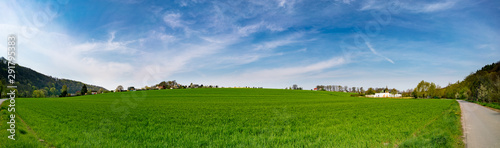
(233, 118)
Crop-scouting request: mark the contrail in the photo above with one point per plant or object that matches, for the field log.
(375, 52)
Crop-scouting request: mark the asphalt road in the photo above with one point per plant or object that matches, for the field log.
(481, 126)
(1, 100)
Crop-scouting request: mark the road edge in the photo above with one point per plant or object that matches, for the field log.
(494, 109)
(1, 101)
(462, 119)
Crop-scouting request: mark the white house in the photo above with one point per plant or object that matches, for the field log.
(384, 95)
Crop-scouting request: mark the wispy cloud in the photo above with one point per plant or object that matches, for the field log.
(376, 53)
(345, 1)
(409, 6)
(293, 38)
(173, 20)
(293, 72)
(109, 45)
(437, 6)
(249, 29)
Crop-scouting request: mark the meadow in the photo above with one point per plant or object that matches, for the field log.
(233, 118)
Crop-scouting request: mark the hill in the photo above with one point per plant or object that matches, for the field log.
(28, 80)
(481, 86)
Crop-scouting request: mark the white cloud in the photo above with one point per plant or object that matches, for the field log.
(413, 7)
(282, 3)
(280, 42)
(372, 5)
(173, 20)
(249, 29)
(437, 6)
(109, 45)
(273, 44)
(345, 1)
(291, 72)
(288, 5)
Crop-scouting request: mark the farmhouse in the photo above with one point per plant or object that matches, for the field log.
(384, 95)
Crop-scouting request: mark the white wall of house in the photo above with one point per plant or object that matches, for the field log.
(384, 95)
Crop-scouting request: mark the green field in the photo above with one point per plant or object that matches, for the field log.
(233, 118)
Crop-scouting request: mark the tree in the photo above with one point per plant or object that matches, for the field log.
(361, 90)
(370, 91)
(100, 91)
(482, 93)
(422, 89)
(38, 94)
(163, 84)
(119, 88)
(432, 90)
(53, 92)
(64, 91)
(440, 92)
(495, 95)
(1, 89)
(84, 89)
(394, 91)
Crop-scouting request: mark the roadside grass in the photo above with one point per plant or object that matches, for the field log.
(444, 131)
(235, 118)
(492, 105)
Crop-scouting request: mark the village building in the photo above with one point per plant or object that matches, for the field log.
(384, 95)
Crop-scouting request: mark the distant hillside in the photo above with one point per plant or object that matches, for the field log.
(28, 80)
(481, 86)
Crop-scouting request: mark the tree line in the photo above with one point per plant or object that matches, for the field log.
(480, 86)
(360, 90)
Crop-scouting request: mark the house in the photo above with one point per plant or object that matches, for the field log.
(131, 88)
(94, 92)
(160, 87)
(384, 95)
(194, 86)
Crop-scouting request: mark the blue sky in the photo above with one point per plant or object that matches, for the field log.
(273, 44)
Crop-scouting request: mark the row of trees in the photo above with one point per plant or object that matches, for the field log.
(427, 90)
(53, 92)
(481, 86)
(338, 88)
(41, 93)
(164, 85)
(294, 87)
(360, 90)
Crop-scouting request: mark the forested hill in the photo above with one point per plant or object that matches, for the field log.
(28, 80)
(481, 86)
